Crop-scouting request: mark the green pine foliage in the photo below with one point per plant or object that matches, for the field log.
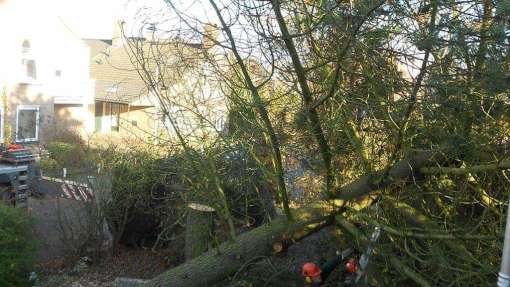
(17, 246)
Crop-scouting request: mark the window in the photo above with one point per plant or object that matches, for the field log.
(108, 116)
(25, 47)
(27, 123)
(58, 73)
(115, 117)
(113, 89)
(27, 62)
(99, 116)
(30, 69)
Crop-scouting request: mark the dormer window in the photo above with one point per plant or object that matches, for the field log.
(113, 89)
(25, 47)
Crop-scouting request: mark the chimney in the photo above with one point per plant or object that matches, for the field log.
(117, 36)
(211, 33)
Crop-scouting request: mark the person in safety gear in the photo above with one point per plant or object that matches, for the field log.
(315, 275)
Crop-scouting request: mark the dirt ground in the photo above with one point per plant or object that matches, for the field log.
(57, 267)
(133, 263)
(280, 270)
(51, 214)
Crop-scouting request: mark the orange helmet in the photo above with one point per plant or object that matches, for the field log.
(311, 270)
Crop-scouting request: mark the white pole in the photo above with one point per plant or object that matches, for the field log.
(504, 273)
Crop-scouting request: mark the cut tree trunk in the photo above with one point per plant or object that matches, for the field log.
(215, 265)
(218, 263)
(199, 229)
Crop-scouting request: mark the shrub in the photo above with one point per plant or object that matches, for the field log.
(49, 164)
(66, 135)
(16, 246)
(133, 212)
(66, 154)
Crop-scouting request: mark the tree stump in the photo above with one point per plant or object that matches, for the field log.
(199, 229)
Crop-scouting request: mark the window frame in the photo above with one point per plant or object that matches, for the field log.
(30, 69)
(115, 110)
(108, 116)
(28, 108)
(98, 116)
(26, 46)
(28, 63)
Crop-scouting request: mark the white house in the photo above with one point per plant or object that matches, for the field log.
(43, 72)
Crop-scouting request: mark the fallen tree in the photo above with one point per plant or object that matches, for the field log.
(403, 169)
(219, 263)
(227, 258)
(360, 240)
(504, 164)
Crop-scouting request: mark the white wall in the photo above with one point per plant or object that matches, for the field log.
(53, 47)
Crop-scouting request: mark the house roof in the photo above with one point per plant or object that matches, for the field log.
(97, 45)
(115, 69)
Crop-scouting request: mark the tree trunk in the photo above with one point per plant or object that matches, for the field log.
(403, 169)
(503, 164)
(214, 266)
(261, 108)
(199, 229)
(306, 93)
(266, 200)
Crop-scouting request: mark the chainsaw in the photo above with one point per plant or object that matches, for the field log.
(353, 266)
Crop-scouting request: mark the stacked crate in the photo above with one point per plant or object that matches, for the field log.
(24, 160)
(18, 156)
